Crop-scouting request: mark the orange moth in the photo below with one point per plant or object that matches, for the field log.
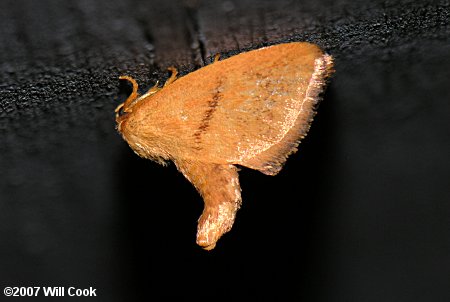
(250, 110)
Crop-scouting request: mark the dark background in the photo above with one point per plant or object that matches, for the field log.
(360, 213)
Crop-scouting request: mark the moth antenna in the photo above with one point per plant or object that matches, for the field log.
(173, 76)
(133, 94)
(216, 57)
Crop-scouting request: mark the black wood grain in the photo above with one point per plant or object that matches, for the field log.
(360, 213)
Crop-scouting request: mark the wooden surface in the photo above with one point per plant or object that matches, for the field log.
(77, 208)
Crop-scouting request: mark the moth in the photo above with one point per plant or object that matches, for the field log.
(249, 110)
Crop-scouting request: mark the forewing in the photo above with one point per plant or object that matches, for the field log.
(251, 109)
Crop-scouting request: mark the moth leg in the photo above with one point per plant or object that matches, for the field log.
(154, 89)
(216, 57)
(118, 109)
(173, 76)
(219, 187)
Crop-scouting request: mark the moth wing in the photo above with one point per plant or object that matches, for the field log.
(286, 109)
(251, 109)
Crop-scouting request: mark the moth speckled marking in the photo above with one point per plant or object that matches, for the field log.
(251, 110)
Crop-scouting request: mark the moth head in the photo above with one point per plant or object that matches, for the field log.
(123, 110)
